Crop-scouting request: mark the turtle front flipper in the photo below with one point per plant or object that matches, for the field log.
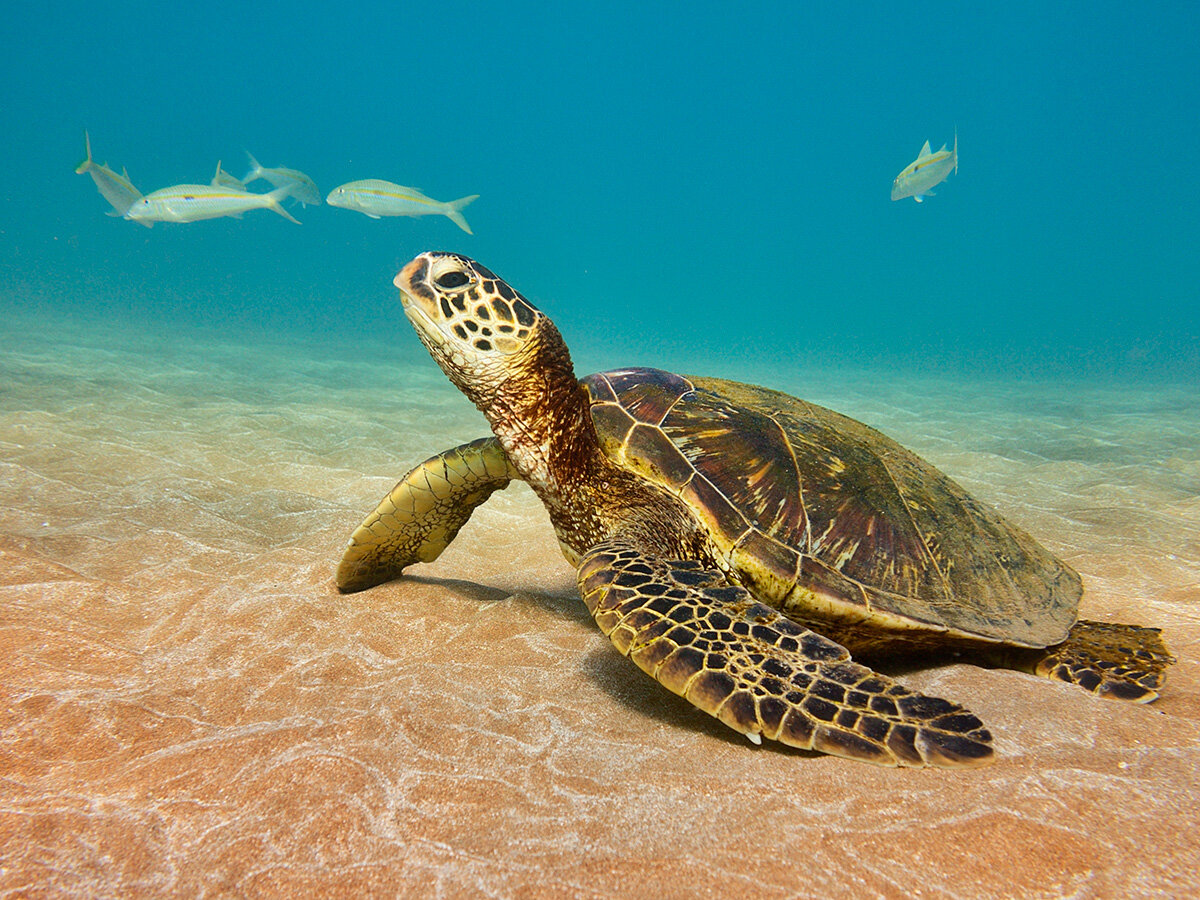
(1121, 662)
(761, 673)
(422, 514)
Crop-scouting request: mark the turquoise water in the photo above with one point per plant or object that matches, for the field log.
(669, 185)
(194, 418)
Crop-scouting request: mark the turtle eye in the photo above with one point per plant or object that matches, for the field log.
(453, 280)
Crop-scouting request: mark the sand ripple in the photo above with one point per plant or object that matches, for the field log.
(190, 709)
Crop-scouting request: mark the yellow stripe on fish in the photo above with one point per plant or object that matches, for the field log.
(195, 202)
(377, 198)
(927, 170)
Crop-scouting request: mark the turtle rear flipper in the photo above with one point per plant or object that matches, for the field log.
(761, 673)
(1122, 662)
(422, 514)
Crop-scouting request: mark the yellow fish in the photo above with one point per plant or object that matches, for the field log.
(374, 197)
(926, 171)
(193, 202)
(116, 189)
(299, 185)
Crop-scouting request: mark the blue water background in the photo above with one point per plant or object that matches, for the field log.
(671, 182)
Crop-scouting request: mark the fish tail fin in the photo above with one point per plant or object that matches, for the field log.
(955, 149)
(273, 199)
(255, 169)
(87, 163)
(453, 214)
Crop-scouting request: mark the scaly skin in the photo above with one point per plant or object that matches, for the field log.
(674, 572)
(422, 514)
(759, 672)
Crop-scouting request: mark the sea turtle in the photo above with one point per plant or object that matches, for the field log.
(738, 544)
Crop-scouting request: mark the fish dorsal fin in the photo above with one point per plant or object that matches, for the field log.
(943, 150)
(924, 151)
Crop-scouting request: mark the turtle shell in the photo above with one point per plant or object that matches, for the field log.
(830, 520)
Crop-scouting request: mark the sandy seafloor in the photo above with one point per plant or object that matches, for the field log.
(190, 708)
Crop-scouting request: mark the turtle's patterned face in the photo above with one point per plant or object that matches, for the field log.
(507, 357)
(463, 313)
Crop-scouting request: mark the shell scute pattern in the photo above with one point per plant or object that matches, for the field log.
(728, 463)
(819, 512)
(652, 451)
(724, 521)
(909, 540)
(746, 456)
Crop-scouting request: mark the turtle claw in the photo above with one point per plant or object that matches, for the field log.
(953, 751)
(762, 674)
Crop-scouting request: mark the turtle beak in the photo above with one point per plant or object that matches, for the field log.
(414, 271)
(414, 293)
(411, 279)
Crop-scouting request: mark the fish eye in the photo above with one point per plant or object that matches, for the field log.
(453, 280)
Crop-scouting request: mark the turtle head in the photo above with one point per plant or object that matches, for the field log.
(486, 337)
